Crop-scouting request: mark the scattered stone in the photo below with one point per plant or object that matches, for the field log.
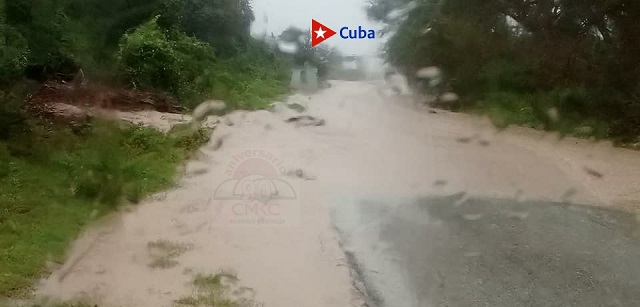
(198, 172)
(306, 120)
(299, 173)
(297, 107)
(593, 173)
(298, 101)
(218, 143)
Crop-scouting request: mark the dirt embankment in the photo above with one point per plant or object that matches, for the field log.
(79, 103)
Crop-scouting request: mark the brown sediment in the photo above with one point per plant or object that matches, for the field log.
(370, 144)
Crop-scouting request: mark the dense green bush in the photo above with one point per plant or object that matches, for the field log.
(579, 57)
(13, 54)
(12, 116)
(151, 59)
(13, 60)
(223, 24)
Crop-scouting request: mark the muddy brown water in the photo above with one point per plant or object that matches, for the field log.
(258, 201)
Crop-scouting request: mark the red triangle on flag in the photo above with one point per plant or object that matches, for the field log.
(319, 33)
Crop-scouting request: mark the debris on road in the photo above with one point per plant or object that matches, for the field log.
(306, 120)
(299, 173)
(593, 173)
(217, 144)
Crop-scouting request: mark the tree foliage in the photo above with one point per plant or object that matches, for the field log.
(149, 58)
(224, 24)
(175, 46)
(580, 56)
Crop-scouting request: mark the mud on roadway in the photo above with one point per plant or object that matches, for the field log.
(382, 204)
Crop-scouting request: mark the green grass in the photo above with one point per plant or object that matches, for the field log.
(247, 86)
(211, 291)
(505, 109)
(164, 252)
(47, 303)
(51, 187)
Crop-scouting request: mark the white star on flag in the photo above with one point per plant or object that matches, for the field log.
(320, 33)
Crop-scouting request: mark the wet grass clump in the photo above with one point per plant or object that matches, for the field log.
(55, 180)
(164, 253)
(211, 290)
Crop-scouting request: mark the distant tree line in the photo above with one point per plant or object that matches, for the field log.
(523, 57)
(188, 48)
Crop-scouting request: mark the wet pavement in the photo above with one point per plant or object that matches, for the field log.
(465, 251)
(373, 153)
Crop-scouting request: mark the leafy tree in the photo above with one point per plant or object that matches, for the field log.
(196, 49)
(153, 60)
(224, 24)
(586, 49)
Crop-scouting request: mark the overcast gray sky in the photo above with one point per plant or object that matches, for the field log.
(335, 14)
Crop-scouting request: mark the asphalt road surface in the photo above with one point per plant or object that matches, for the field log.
(460, 251)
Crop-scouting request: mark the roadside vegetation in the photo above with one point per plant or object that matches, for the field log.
(520, 61)
(164, 253)
(216, 290)
(57, 177)
(54, 183)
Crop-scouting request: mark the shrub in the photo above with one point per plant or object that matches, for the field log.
(507, 76)
(167, 60)
(175, 63)
(12, 117)
(505, 108)
(13, 54)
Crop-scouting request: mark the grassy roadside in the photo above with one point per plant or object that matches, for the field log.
(52, 183)
(532, 111)
(209, 290)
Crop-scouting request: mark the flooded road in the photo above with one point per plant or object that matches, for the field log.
(459, 251)
(376, 200)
